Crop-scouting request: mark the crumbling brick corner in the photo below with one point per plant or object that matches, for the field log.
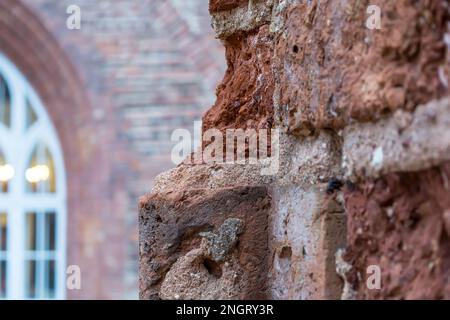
(362, 184)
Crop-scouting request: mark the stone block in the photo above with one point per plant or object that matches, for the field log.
(302, 161)
(402, 143)
(307, 227)
(204, 244)
(239, 16)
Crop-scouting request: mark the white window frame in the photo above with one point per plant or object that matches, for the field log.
(17, 145)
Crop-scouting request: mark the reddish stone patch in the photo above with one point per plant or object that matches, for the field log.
(332, 68)
(224, 5)
(170, 223)
(245, 96)
(401, 223)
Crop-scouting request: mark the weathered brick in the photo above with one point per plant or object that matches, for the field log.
(332, 70)
(170, 242)
(222, 5)
(359, 104)
(399, 223)
(244, 98)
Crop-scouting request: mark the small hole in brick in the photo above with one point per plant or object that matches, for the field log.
(385, 111)
(158, 219)
(286, 252)
(213, 267)
(285, 256)
(295, 49)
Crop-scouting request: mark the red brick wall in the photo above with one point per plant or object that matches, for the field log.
(115, 90)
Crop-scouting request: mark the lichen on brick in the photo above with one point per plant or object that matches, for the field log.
(221, 243)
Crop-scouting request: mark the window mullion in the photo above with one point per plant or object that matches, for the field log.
(41, 256)
(16, 214)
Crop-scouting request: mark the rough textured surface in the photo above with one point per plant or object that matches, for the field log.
(221, 243)
(307, 226)
(170, 239)
(242, 19)
(331, 69)
(244, 99)
(302, 160)
(208, 272)
(400, 222)
(343, 269)
(222, 5)
(353, 105)
(404, 142)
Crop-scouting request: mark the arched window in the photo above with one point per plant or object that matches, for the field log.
(32, 194)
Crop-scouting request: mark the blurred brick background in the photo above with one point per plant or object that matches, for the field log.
(115, 91)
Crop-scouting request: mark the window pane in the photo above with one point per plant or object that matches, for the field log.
(40, 175)
(31, 116)
(3, 231)
(6, 173)
(31, 279)
(5, 103)
(50, 278)
(2, 278)
(50, 231)
(31, 240)
(3, 186)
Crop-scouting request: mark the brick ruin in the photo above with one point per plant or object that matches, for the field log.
(364, 160)
(106, 92)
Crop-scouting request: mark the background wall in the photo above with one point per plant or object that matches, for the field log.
(115, 91)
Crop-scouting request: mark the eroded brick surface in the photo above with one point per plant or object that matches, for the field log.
(222, 5)
(401, 224)
(170, 227)
(244, 98)
(331, 68)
